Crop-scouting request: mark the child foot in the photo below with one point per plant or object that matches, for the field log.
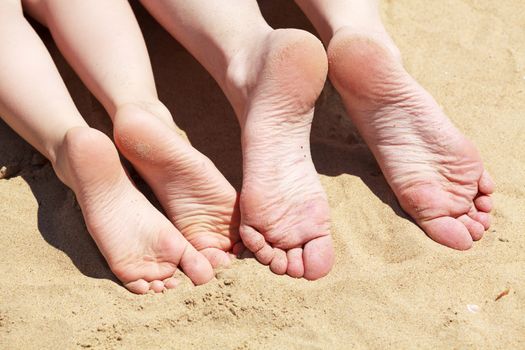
(141, 246)
(197, 198)
(285, 214)
(435, 172)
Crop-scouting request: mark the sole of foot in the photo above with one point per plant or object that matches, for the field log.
(285, 215)
(197, 198)
(435, 172)
(141, 246)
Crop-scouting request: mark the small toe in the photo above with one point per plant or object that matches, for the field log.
(171, 283)
(483, 203)
(475, 229)
(279, 262)
(196, 266)
(448, 231)
(295, 263)
(265, 254)
(485, 184)
(255, 242)
(156, 286)
(138, 287)
(238, 249)
(318, 257)
(252, 239)
(483, 218)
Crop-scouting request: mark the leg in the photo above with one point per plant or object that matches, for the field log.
(142, 248)
(103, 43)
(435, 172)
(285, 216)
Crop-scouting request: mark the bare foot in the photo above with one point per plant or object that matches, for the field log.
(285, 214)
(141, 246)
(435, 172)
(197, 198)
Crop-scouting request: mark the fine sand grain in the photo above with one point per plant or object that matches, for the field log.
(391, 287)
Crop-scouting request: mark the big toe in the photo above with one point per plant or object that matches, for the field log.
(318, 257)
(138, 287)
(216, 257)
(196, 266)
(449, 232)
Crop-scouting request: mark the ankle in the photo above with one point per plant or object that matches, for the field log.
(373, 31)
(81, 144)
(61, 159)
(245, 69)
(239, 75)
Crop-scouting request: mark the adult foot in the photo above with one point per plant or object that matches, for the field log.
(435, 172)
(197, 198)
(141, 246)
(273, 87)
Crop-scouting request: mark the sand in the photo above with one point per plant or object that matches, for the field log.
(391, 287)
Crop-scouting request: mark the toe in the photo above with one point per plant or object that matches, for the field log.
(171, 283)
(449, 232)
(196, 266)
(138, 287)
(156, 286)
(279, 262)
(265, 255)
(216, 257)
(475, 229)
(252, 239)
(238, 249)
(255, 242)
(483, 203)
(295, 263)
(482, 218)
(486, 185)
(318, 257)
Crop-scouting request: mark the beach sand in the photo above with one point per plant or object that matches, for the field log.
(391, 287)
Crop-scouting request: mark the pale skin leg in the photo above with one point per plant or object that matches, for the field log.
(435, 172)
(329, 16)
(102, 41)
(142, 247)
(285, 215)
(43, 119)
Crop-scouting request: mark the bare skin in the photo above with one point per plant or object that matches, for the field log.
(285, 211)
(272, 78)
(206, 215)
(197, 198)
(435, 172)
(141, 246)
